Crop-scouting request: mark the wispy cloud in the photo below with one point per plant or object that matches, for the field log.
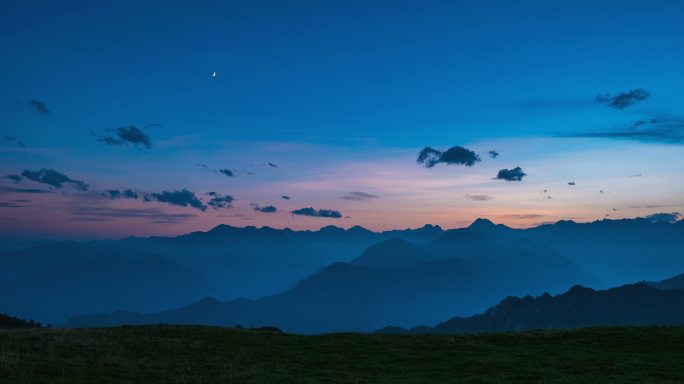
(359, 196)
(23, 190)
(51, 178)
(109, 213)
(479, 197)
(623, 99)
(12, 138)
(39, 107)
(127, 136)
(668, 130)
(121, 194)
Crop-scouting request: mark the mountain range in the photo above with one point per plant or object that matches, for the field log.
(331, 279)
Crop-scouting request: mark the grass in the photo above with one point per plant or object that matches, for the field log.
(182, 354)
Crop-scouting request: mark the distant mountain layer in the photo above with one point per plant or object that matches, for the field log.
(57, 280)
(456, 275)
(635, 304)
(676, 282)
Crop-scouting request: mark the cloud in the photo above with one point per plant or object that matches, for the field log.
(127, 136)
(479, 197)
(358, 196)
(155, 125)
(227, 172)
(317, 213)
(39, 107)
(515, 174)
(429, 157)
(571, 183)
(13, 139)
(265, 209)
(183, 198)
(121, 194)
(14, 177)
(11, 205)
(668, 130)
(664, 217)
(493, 154)
(285, 197)
(220, 201)
(106, 213)
(53, 178)
(524, 216)
(623, 99)
(272, 165)
(23, 190)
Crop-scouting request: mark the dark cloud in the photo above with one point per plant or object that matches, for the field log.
(664, 217)
(479, 197)
(571, 183)
(623, 99)
(53, 178)
(358, 196)
(127, 136)
(220, 201)
(14, 177)
(13, 139)
(23, 190)
(121, 194)
(264, 209)
(515, 174)
(183, 198)
(429, 157)
(317, 213)
(272, 165)
(107, 213)
(493, 154)
(285, 197)
(39, 107)
(202, 165)
(635, 175)
(227, 172)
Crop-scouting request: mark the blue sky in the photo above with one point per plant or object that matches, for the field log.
(333, 92)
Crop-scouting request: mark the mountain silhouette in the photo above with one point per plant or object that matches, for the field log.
(628, 305)
(394, 282)
(12, 322)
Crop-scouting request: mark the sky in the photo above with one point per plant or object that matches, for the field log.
(162, 118)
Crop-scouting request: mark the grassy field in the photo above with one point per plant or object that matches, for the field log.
(175, 354)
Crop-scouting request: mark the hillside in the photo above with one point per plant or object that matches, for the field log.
(628, 305)
(163, 354)
(12, 322)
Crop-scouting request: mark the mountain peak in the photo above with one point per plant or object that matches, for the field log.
(482, 223)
